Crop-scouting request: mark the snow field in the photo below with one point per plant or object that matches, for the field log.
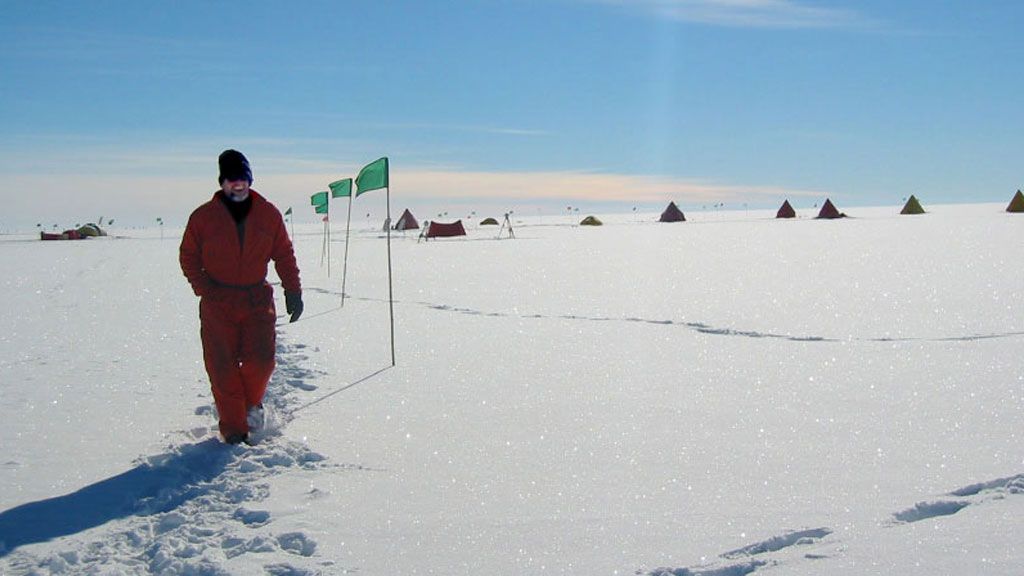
(729, 395)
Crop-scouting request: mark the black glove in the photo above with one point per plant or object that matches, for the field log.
(293, 304)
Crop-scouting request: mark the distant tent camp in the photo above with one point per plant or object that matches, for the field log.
(672, 213)
(591, 221)
(829, 211)
(488, 222)
(407, 222)
(912, 206)
(1017, 204)
(786, 211)
(443, 230)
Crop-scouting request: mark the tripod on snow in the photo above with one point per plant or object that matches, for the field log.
(511, 234)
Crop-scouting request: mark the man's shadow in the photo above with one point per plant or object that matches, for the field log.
(159, 485)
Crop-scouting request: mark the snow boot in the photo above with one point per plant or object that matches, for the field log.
(237, 439)
(256, 418)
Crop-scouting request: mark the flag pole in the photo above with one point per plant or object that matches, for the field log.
(391, 298)
(323, 246)
(344, 266)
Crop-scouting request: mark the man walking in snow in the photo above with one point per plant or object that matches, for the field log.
(224, 254)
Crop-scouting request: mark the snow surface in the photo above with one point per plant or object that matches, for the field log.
(730, 395)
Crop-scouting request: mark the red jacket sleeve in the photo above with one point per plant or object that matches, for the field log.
(284, 259)
(189, 256)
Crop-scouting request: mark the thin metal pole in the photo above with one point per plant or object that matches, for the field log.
(391, 297)
(344, 269)
(323, 246)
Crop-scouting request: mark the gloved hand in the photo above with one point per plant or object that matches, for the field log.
(293, 304)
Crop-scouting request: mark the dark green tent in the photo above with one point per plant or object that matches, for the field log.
(912, 206)
(1017, 204)
(91, 229)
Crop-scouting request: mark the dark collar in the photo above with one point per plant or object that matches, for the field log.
(238, 210)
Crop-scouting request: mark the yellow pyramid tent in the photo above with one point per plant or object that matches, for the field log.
(1017, 204)
(912, 206)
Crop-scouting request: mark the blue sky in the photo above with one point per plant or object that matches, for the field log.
(120, 108)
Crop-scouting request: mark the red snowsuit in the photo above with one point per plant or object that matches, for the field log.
(236, 306)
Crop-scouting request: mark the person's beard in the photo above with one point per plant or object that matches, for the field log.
(238, 195)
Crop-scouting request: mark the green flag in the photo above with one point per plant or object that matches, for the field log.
(341, 188)
(321, 209)
(288, 212)
(373, 176)
(318, 199)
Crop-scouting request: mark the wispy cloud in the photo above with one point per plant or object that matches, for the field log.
(355, 123)
(748, 13)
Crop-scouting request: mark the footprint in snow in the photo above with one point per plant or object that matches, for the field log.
(302, 385)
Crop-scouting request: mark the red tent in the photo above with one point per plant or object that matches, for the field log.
(829, 211)
(407, 222)
(65, 235)
(440, 229)
(786, 211)
(672, 214)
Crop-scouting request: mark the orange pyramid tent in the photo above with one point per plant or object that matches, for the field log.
(786, 211)
(912, 206)
(829, 211)
(672, 213)
(1017, 204)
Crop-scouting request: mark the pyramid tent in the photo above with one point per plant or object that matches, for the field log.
(672, 213)
(591, 221)
(829, 211)
(912, 206)
(442, 230)
(407, 221)
(488, 222)
(1017, 204)
(786, 211)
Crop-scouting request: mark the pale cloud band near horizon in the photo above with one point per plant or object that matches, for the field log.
(174, 197)
(581, 186)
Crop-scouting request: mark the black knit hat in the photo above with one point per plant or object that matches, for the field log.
(233, 166)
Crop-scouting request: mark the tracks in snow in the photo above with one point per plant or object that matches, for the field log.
(749, 559)
(699, 327)
(193, 509)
